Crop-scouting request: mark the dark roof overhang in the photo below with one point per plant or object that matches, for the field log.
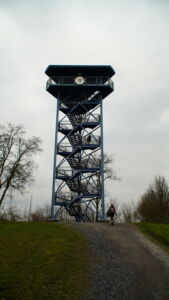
(85, 70)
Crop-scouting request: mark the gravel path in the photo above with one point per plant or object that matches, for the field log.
(124, 265)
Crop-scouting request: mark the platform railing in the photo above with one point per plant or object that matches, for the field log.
(85, 189)
(63, 197)
(83, 165)
(91, 140)
(90, 164)
(84, 141)
(94, 118)
(69, 173)
(63, 172)
(65, 148)
(71, 80)
(65, 125)
(90, 188)
(91, 118)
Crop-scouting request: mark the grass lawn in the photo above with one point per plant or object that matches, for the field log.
(158, 232)
(42, 261)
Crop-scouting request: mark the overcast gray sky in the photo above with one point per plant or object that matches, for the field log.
(130, 35)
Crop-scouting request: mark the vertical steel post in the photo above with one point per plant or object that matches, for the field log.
(102, 161)
(53, 215)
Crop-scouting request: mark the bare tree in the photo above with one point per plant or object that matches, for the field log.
(109, 171)
(16, 164)
(109, 174)
(9, 211)
(154, 203)
(128, 212)
(41, 213)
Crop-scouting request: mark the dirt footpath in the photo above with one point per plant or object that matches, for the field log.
(124, 265)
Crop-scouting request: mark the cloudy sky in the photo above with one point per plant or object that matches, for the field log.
(130, 35)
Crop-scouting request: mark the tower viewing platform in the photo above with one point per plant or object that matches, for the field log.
(78, 171)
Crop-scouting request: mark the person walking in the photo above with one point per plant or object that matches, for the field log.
(111, 212)
(89, 139)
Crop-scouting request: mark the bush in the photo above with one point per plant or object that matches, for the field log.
(41, 213)
(154, 203)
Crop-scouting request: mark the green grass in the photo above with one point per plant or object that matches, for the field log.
(42, 261)
(158, 232)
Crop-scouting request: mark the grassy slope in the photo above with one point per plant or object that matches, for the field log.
(41, 261)
(158, 232)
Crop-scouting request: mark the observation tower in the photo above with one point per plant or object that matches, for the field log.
(78, 170)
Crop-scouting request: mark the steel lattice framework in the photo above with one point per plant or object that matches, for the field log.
(78, 172)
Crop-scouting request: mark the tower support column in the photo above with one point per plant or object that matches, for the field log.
(53, 214)
(102, 162)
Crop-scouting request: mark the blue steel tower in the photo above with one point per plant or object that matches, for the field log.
(78, 170)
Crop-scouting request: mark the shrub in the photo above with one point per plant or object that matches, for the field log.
(154, 203)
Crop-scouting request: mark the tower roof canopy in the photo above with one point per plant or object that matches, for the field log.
(85, 70)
